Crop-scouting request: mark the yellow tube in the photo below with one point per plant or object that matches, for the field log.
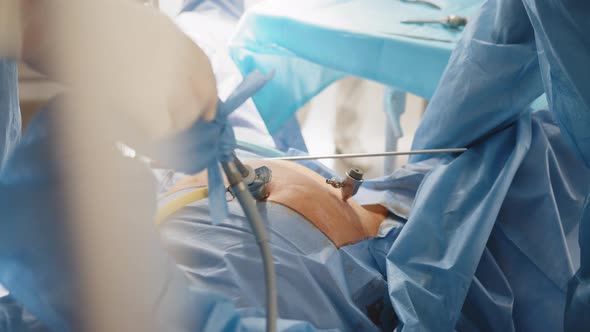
(179, 202)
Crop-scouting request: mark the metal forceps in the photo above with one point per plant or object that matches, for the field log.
(425, 2)
(451, 21)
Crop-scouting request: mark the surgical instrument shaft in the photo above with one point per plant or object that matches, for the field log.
(362, 155)
(451, 21)
(419, 37)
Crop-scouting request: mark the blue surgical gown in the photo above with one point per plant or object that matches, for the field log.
(561, 35)
(510, 53)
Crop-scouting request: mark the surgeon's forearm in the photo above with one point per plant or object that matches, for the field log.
(124, 52)
(10, 28)
(20, 26)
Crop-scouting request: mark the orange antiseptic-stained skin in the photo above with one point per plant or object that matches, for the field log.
(307, 193)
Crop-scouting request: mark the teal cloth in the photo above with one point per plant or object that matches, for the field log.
(312, 43)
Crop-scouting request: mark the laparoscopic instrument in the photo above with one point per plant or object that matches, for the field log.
(255, 180)
(450, 22)
(406, 35)
(246, 184)
(364, 155)
(353, 178)
(236, 172)
(350, 184)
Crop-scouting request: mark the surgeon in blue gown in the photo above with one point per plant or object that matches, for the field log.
(511, 53)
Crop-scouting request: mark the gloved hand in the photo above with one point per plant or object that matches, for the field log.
(127, 54)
